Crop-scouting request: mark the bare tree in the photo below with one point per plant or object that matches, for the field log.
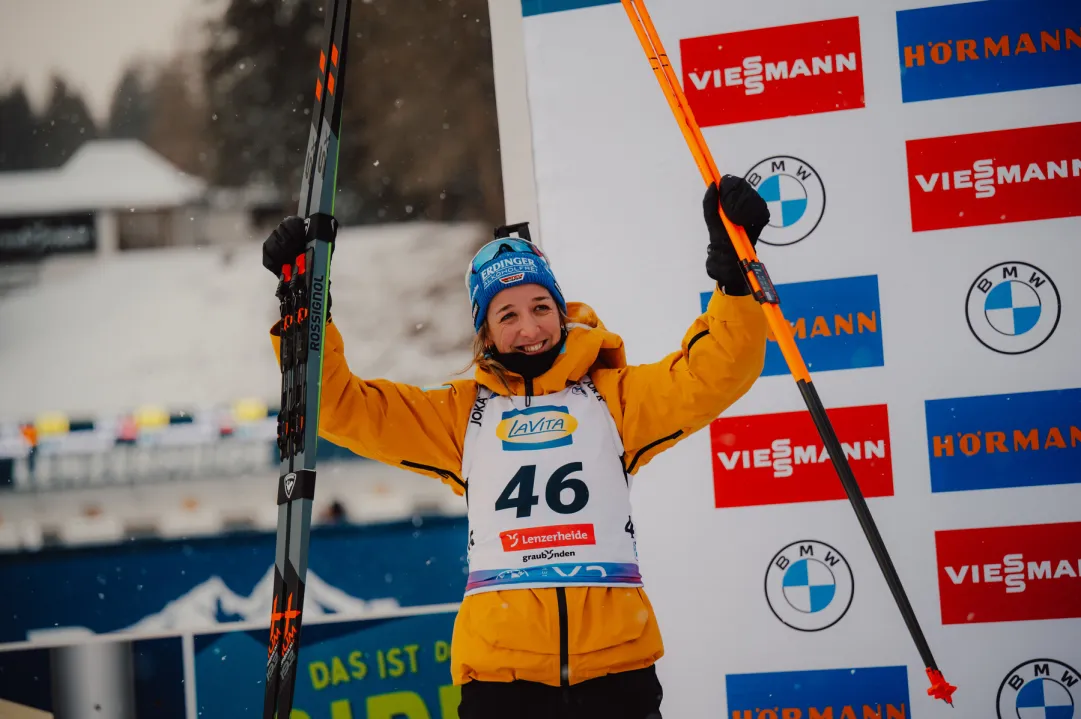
(178, 123)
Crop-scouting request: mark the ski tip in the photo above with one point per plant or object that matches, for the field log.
(940, 688)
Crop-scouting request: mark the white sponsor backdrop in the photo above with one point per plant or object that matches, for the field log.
(618, 199)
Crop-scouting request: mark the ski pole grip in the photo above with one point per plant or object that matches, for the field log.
(767, 293)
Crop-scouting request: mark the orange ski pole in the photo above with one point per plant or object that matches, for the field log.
(764, 291)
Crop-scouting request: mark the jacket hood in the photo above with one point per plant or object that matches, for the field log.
(589, 346)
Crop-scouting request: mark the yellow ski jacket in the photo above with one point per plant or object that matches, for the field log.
(516, 634)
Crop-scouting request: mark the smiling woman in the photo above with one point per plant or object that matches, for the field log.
(543, 441)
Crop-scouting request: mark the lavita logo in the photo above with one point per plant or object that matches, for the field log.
(542, 427)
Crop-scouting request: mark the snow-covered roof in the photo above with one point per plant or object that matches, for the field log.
(188, 328)
(102, 174)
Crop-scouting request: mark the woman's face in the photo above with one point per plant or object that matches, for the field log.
(524, 319)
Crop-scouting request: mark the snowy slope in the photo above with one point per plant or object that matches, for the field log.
(188, 327)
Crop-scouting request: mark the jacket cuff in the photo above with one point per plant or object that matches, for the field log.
(739, 309)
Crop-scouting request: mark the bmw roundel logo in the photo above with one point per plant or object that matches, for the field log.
(1041, 689)
(1013, 307)
(809, 585)
(795, 195)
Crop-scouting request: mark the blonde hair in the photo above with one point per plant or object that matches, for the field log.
(484, 361)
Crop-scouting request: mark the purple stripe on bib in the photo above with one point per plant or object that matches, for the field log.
(586, 573)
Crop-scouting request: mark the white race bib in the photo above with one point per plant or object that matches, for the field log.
(549, 502)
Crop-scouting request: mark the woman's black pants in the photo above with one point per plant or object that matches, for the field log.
(627, 695)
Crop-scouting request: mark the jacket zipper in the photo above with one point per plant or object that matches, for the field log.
(694, 339)
(564, 649)
(561, 595)
(651, 445)
(446, 473)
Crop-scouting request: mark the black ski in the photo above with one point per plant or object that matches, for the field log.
(302, 293)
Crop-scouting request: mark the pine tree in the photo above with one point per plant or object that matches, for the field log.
(18, 126)
(419, 120)
(424, 109)
(130, 109)
(259, 78)
(65, 125)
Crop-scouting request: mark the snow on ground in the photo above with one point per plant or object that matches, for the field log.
(188, 328)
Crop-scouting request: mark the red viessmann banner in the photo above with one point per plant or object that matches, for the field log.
(780, 459)
(1009, 574)
(986, 178)
(773, 72)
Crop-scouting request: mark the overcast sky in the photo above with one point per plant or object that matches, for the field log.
(88, 41)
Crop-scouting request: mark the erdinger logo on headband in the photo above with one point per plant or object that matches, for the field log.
(502, 270)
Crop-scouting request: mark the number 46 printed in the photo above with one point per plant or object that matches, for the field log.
(522, 484)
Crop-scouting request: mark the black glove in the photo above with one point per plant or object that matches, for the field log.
(284, 244)
(743, 206)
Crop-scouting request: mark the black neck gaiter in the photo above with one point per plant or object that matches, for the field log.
(530, 366)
